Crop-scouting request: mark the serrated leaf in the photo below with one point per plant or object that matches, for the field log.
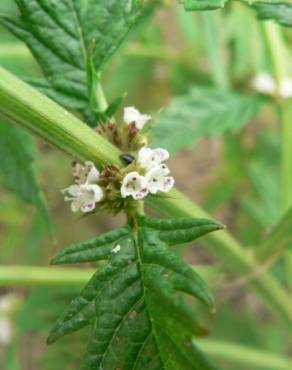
(135, 302)
(204, 111)
(17, 166)
(281, 13)
(64, 35)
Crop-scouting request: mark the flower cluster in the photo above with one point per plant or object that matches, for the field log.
(128, 136)
(266, 84)
(155, 177)
(114, 187)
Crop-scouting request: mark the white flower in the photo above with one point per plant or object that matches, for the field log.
(83, 197)
(148, 158)
(7, 303)
(5, 331)
(85, 174)
(134, 185)
(158, 180)
(264, 83)
(132, 115)
(285, 88)
(116, 249)
(85, 193)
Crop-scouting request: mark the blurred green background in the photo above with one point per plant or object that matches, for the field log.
(231, 168)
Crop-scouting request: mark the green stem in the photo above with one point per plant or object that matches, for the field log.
(276, 49)
(24, 105)
(286, 162)
(279, 59)
(42, 275)
(278, 240)
(243, 355)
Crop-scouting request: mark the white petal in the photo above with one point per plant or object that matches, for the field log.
(76, 204)
(132, 115)
(148, 158)
(85, 173)
(264, 83)
(116, 249)
(161, 155)
(84, 197)
(168, 183)
(5, 331)
(87, 207)
(140, 194)
(285, 88)
(93, 173)
(133, 184)
(96, 192)
(158, 180)
(74, 190)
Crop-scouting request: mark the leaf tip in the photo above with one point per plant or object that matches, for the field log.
(51, 338)
(55, 261)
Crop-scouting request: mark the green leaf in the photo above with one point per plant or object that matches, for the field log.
(281, 13)
(17, 167)
(194, 5)
(203, 4)
(204, 111)
(135, 302)
(64, 35)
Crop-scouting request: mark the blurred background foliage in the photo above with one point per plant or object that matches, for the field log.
(193, 73)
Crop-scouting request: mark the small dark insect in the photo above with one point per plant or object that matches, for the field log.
(127, 158)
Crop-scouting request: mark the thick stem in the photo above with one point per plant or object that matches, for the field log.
(41, 275)
(243, 355)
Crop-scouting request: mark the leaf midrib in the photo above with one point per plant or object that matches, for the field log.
(140, 269)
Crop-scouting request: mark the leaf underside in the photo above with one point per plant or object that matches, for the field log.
(135, 302)
(65, 35)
